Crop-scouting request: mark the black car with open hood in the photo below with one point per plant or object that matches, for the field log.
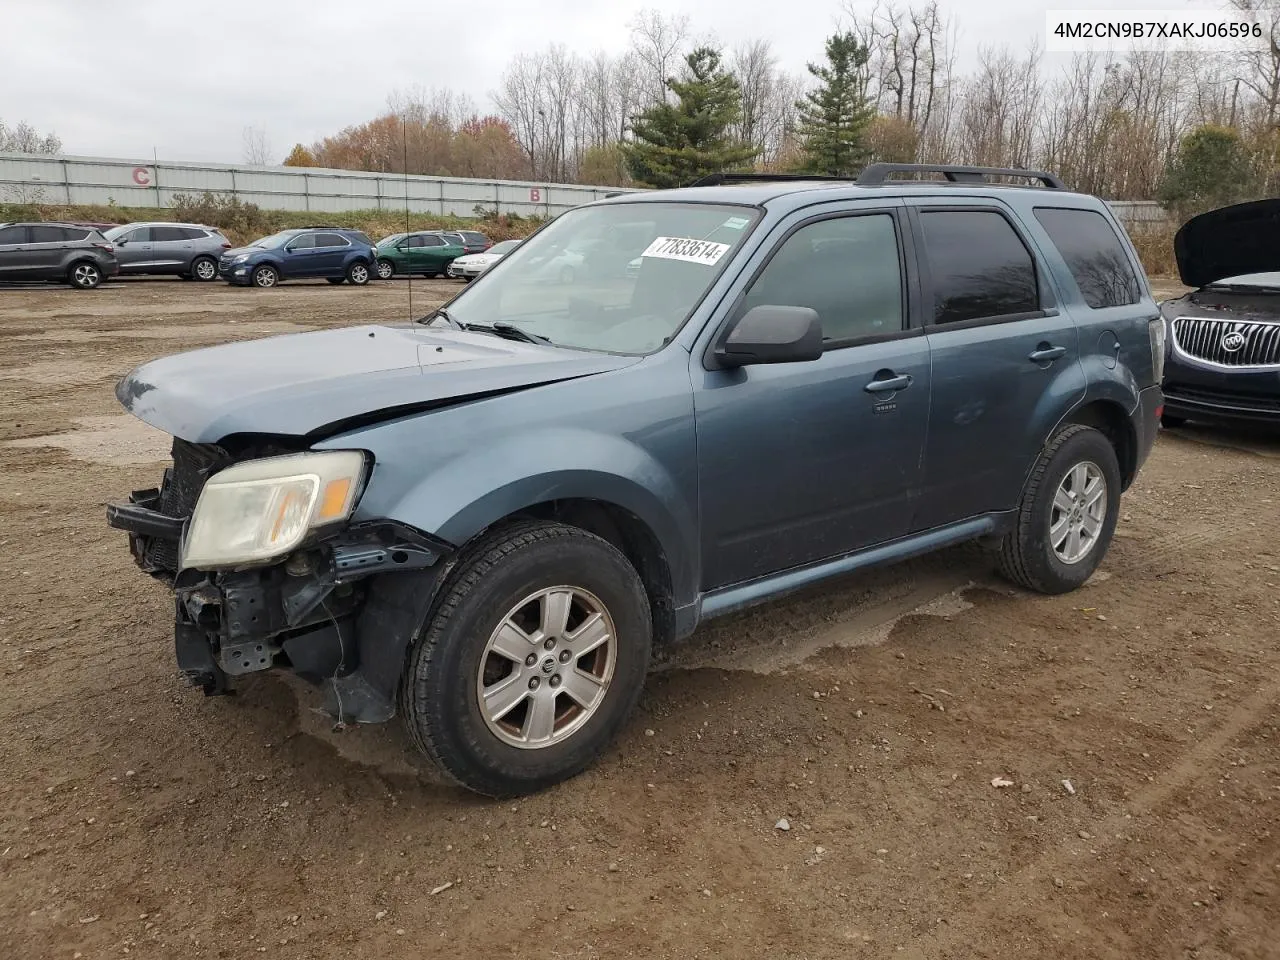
(1223, 360)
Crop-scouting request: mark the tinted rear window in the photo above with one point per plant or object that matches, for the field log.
(475, 238)
(362, 237)
(45, 234)
(168, 234)
(1094, 255)
(979, 266)
(330, 240)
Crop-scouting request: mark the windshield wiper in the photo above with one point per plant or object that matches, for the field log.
(444, 315)
(509, 330)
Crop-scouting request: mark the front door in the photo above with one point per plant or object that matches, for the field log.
(301, 256)
(135, 251)
(800, 462)
(1002, 350)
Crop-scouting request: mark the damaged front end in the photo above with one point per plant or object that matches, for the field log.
(339, 609)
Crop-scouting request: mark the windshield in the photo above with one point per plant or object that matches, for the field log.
(107, 234)
(506, 246)
(573, 282)
(273, 241)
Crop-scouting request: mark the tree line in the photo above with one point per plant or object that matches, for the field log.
(1191, 130)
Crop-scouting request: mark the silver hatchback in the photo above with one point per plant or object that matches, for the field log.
(187, 250)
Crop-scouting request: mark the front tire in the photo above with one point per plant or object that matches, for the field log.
(1067, 515)
(531, 661)
(204, 269)
(265, 276)
(358, 273)
(386, 269)
(84, 275)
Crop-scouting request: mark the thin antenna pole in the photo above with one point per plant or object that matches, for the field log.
(404, 127)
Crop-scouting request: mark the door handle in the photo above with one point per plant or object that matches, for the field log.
(1046, 354)
(888, 384)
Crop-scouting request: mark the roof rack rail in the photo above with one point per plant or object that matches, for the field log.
(876, 174)
(718, 179)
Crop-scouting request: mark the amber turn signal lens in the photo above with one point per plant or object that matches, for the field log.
(333, 505)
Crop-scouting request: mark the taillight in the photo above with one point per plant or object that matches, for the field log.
(1156, 333)
(105, 246)
(226, 245)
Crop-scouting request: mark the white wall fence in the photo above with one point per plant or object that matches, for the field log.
(135, 183)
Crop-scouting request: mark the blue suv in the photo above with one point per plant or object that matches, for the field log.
(334, 253)
(486, 519)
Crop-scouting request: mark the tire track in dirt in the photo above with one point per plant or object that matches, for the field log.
(1020, 897)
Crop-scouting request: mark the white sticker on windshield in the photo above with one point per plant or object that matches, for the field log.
(687, 249)
(735, 223)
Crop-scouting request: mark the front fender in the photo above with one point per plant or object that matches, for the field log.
(460, 497)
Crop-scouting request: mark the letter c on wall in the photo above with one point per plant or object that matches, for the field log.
(142, 176)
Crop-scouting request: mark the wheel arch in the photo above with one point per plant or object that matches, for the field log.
(1109, 417)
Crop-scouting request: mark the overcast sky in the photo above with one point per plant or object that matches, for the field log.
(120, 78)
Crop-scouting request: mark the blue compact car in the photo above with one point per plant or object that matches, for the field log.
(335, 254)
(485, 520)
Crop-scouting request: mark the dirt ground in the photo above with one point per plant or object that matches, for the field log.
(140, 819)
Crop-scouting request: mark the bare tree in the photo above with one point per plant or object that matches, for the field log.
(25, 139)
(658, 43)
(257, 148)
(1259, 68)
(519, 100)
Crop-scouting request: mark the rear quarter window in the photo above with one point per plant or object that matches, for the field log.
(1094, 255)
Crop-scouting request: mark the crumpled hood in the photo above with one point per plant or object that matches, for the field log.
(316, 384)
(237, 251)
(1228, 242)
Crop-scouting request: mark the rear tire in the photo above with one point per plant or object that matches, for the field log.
(204, 269)
(1067, 515)
(358, 273)
(542, 592)
(84, 275)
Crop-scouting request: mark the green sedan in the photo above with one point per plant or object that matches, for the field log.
(427, 254)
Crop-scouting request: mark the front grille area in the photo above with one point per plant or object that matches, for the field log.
(1229, 343)
(1221, 398)
(180, 489)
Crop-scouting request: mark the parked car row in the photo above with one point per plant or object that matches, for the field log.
(84, 255)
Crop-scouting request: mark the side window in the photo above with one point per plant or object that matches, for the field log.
(13, 234)
(43, 234)
(415, 241)
(304, 241)
(192, 233)
(432, 242)
(167, 234)
(847, 269)
(75, 233)
(331, 240)
(979, 266)
(1094, 255)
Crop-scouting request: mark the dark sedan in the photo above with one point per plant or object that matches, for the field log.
(1223, 361)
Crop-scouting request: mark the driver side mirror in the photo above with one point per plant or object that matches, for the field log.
(121, 243)
(771, 334)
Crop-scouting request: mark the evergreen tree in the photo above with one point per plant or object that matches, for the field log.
(676, 143)
(834, 117)
(1211, 169)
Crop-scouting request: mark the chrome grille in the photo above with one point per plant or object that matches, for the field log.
(1228, 343)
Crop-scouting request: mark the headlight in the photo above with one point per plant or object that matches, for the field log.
(260, 510)
(241, 259)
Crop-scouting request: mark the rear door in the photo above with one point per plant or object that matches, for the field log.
(13, 252)
(331, 253)
(1002, 351)
(434, 255)
(173, 248)
(47, 249)
(135, 250)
